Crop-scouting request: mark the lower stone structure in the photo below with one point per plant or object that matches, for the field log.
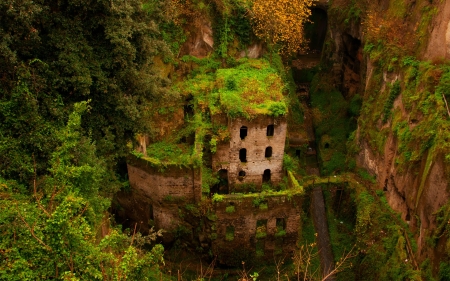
(235, 227)
(253, 226)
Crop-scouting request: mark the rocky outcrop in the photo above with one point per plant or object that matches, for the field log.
(439, 42)
(415, 190)
(200, 42)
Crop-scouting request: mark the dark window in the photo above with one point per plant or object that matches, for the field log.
(243, 132)
(270, 130)
(327, 145)
(266, 175)
(243, 155)
(242, 173)
(150, 209)
(222, 186)
(268, 152)
(297, 152)
(229, 234)
(281, 224)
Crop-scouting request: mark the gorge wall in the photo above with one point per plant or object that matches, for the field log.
(393, 54)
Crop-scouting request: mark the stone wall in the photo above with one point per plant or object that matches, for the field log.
(244, 221)
(255, 143)
(163, 189)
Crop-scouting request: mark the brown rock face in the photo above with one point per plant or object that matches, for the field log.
(439, 42)
(200, 42)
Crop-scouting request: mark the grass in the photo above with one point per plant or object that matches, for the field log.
(251, 88)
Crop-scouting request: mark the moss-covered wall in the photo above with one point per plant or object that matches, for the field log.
(262, 226)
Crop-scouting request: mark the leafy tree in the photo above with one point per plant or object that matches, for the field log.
(281, 22)
(56, 53)
(50, 232)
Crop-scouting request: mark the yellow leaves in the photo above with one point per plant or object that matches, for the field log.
(281, 22)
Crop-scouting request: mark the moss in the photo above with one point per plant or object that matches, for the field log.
(230, 209)
(252, 88)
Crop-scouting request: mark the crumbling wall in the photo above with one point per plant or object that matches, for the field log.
(161, 189)
(248, 211)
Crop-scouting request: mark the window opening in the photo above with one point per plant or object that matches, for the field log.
(243, 132)
(260, 245)
(270, 130)
(327, 145)
(261, 229)
(242, 173)
(222, 186)
(281, 224)
(229, 235)
(266, 175)
(268, 152)
(150, 209)
(243, 155)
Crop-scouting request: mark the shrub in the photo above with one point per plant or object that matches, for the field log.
(217, 198)
(263, 206)
(230, 209)
(261, 232)
(280, 233)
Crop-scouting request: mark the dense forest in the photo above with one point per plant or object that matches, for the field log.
(88, 87)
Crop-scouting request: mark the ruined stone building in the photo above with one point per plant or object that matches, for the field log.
(166, 193)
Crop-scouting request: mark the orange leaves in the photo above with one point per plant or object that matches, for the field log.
(281, 22)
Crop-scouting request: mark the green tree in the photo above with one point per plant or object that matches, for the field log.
(51, 231)
(56, 53)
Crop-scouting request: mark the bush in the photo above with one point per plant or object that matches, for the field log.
(230, 209)
(280, 233)
(217, 198)
(261, 232)
(263, 206)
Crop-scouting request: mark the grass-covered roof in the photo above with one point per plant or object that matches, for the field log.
(250, 89)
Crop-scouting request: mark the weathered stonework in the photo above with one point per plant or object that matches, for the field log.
(244, 220)
(255, 142)
(160, 191)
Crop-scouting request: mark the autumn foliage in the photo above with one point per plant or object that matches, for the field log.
(281, 22)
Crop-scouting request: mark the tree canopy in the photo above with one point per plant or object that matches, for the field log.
(56, 53)
(76, 80)
(281, 22)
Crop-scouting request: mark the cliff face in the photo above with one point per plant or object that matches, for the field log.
(393, 54)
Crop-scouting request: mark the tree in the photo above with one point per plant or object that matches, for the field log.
(56, 53)
(51, 231)
(281, 22)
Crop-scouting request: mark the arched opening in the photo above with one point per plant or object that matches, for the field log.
(270, 130)
(298, 153)
(243, 155)
(268, 152)
(266, 175)
(188, 108)
(243, 132)
(327, 145)
(242, 173)
(222, 186)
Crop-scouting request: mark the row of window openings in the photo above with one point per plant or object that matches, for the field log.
(261, 228)
(243, 153)
(266, 175)
(244, 129)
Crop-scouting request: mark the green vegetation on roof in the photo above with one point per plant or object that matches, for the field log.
(250, 89)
